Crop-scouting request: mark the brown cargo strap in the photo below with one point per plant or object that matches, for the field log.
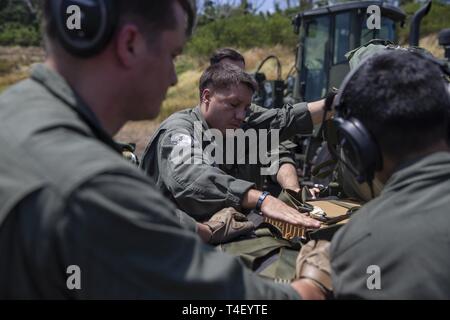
(318, 276)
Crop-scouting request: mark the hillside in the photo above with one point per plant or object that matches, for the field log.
(15, 63)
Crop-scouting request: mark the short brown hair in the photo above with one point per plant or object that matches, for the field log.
(226, 53)
(224, 75)
(157, 15)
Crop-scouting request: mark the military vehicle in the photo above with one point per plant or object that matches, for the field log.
(444, 41)
(326, 34)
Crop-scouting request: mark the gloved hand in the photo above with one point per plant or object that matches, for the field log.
(313, 262)
(228, 224)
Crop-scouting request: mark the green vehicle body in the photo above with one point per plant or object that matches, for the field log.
(326, 34)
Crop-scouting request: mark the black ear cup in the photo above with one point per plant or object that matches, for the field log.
(84, 27)
(362, 155)
(361, 152)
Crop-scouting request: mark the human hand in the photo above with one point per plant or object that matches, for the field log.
(228, 224)
(278, 210)
(313, 263)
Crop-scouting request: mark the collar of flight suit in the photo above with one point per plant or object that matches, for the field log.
(205, 127)
(198, 114)
(58, 86)
(423, 171)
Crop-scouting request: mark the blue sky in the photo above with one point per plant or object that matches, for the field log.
(268, 5)
(264, 5)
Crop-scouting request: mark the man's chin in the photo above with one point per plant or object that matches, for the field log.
(230, 132)
(233, 127)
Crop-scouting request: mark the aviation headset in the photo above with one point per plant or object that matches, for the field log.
(99, 19)
(360, 148)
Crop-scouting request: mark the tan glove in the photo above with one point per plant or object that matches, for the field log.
(228, 224)
(313, 262)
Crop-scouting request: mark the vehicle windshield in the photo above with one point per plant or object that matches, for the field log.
(321, 53)
(316, 43)
(386, 32)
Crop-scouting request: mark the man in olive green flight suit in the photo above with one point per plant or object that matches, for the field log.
(69, 201)
(287, 176)
(396, 246)
(204, 186)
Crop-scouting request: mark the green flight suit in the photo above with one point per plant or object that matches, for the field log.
(252, 172)
(201, 186)
(67, 197)
(405, 232)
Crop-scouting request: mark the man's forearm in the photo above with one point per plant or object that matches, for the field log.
(316, 109)
(251, 199)
(274, 208)
(287, 177)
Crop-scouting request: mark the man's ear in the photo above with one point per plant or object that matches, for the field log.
(128, 42)
(206, 97)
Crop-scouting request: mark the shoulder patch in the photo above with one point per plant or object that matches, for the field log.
(180, 139)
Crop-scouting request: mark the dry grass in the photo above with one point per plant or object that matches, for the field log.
(183, 95)
(431, 43)
(22, 56)
(15, 63)
(10, 79)
(254, 57)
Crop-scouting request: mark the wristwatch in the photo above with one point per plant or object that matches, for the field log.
(260, 200)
